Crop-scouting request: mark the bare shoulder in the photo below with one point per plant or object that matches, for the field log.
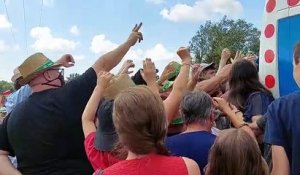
(192, 166)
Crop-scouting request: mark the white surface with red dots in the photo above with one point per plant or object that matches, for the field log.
(268, 63)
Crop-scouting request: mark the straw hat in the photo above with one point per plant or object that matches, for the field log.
(171, 70)
(34, 65)
(16, 75)
(120, 82)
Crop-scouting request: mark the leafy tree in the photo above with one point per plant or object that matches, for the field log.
(4, 85)
(212, 37)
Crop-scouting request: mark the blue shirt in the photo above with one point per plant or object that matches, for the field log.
(283, 128)
(15, 98)
(194, 145)
(256, 104)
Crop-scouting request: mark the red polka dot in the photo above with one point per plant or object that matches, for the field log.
(270, 6)
(270, 81)
(292, 2)
(269, 56)
(269, 30)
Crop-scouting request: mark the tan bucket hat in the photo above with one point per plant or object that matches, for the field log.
(16, 75)
(34, 65)
(120, 83)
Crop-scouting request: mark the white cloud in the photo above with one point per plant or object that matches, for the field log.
(102, 45)
(79, 57)
(203, 10)
(74, 30)
(7, 48)
(158, 53)
(156, 1)
(4, 23)
(48, 3)
(46, 42)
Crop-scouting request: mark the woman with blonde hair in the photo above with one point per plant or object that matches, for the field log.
(141, 125)
(235, 152)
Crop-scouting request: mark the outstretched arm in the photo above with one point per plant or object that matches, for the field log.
(180, 84)
(196, 71)
(234, 115)
(224, 58)
(149, 75)
(109, 60)
(213, 84)
(88, 116)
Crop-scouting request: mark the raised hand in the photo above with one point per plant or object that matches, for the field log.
(238, 56)
(196, 71)
(221, 104)
(251, 57)
(135, 35)
(225, 72)
(126, 66)
(184, 54)
(104, 79)
(66, 60)
(149, 71)
(225, 55)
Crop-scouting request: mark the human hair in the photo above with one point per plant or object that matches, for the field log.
(243, 81)
(140, 121)
(235, 152)
(17, 84)
(196, 107)
(297, 53)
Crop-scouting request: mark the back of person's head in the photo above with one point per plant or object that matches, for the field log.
(243, 81)
(296, 56)
(297, 53)
(196, 107)
(140, 121)
(16, 79)
(235, 152)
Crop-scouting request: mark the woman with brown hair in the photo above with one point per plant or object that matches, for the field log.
(141, 125)
(235, 152)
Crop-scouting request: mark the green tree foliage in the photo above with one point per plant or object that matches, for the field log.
(4, 85)
(212, 37)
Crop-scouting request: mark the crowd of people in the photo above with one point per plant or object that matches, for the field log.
(192, 119)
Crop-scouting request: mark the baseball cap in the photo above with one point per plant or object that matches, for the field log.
(106, 136)
(208, 65)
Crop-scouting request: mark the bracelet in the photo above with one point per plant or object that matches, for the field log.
(185, 64)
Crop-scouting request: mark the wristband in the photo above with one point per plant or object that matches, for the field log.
(185, 64)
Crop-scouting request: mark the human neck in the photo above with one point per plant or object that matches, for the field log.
(132, 155)
(40, 87)
(192, 127)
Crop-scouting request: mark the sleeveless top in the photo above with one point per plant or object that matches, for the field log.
(152, 164)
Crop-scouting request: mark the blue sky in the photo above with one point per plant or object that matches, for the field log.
(89, 28)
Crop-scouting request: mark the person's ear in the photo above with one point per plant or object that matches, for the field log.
(296, 73)
(47, 75)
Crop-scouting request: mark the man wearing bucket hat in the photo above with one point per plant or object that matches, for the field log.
(44, 132)
(23, 92)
